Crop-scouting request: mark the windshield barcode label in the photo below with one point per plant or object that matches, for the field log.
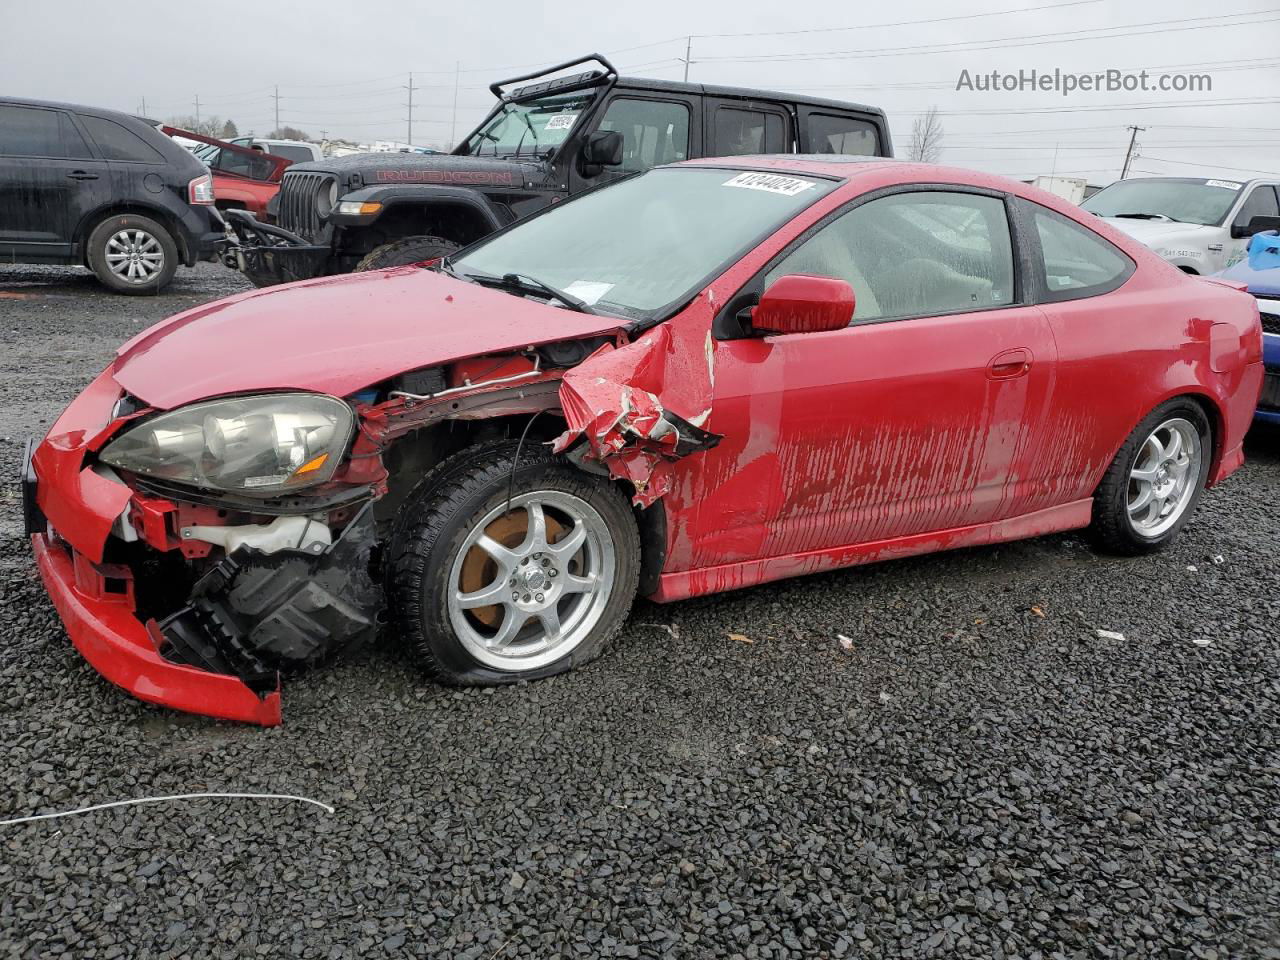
(770, 183)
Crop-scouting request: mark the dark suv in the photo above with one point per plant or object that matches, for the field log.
(543, 142)
(81, 185)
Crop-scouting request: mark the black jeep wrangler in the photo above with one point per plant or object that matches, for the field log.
(542, 143)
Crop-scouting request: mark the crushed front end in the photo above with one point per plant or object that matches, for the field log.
(193, 599)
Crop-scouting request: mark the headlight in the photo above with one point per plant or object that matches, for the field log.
(357, 208)
(254, 446)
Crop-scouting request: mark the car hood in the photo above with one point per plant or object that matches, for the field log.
(1150, 232)
(335, 335)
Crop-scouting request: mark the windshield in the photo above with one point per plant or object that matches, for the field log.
(1205, 202)
(644, 245)
(529, 128)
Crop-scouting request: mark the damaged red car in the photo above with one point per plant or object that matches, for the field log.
(711, 375)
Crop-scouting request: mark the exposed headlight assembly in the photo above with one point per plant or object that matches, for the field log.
(253, 446)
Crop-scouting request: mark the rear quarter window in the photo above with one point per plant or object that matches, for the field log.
(115, 142)
(1075, 262)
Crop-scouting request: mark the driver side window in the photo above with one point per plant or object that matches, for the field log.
(913, 255)
(654, 132)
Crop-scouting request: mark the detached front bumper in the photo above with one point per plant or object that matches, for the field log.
(88, 530)
(97, 608)
(268, 254)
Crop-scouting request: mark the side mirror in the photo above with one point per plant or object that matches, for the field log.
(1256, 225)
(603, 149)
(802, 304)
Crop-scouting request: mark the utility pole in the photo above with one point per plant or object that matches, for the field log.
(1128, 154)
(688, 52)
(410, 88)
(277, 97)
(197, 111)
(453, 127)
(144, 106)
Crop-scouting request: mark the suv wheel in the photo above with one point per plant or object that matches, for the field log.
(400, 253)
(132, 254)
(491, 594)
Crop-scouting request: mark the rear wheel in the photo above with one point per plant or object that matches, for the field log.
(132, 254)
(400, 253)
(1155, 481)
(490, 590)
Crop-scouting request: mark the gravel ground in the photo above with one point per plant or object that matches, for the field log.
(980, 776)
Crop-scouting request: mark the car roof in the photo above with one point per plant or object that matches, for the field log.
(744, 93)
(74, 108)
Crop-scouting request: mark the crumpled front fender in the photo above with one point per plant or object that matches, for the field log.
(642, 406)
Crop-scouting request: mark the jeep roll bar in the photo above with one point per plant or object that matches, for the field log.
(575, 81)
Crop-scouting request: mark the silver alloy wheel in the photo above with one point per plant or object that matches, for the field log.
(135, 256)
(1163, 479)
(544, 598)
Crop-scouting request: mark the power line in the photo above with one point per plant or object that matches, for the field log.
(900, 23)
(1001, 43)
(1215, 166)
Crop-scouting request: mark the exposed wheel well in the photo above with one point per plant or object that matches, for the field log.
(410, 457)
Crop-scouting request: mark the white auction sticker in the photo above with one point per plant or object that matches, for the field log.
(770, 183)
(561, 121)
(588, 291)
(1229, 184)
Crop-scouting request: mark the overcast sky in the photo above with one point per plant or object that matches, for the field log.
(340, 66)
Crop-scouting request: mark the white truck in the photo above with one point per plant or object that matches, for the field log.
(1070, 189)
(1200, 225)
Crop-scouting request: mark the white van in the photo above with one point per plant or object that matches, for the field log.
(1199, 225)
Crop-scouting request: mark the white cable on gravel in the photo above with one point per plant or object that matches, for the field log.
(176, 796)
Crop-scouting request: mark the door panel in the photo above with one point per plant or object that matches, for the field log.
(46, 174)
(875, 431)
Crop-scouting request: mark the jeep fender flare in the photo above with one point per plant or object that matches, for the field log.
(401, 195)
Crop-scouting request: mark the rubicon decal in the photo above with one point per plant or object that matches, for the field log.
(465, 177)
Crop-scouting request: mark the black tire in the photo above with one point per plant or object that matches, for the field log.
(433, 526)
(1111, 529)
(400, 253)
(97, 253)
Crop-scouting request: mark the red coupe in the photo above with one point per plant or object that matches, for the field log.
(708, 376)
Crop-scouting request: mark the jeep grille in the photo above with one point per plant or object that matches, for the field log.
(302, 198)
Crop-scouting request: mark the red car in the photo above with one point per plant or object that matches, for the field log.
(705, 377)
(243, 178)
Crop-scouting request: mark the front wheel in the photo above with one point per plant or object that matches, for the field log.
(400, 253)
(1151, 488)
(504, 569)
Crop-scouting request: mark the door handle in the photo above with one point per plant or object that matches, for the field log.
(82, 175)
(1010, 364)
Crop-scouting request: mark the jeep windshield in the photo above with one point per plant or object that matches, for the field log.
(529, 128)
(644, 246)
(1203, 202)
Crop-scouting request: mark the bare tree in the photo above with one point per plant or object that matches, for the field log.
(288, 133)
(926, 138)
(208, 126)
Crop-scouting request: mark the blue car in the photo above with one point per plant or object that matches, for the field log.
(1260, 269)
